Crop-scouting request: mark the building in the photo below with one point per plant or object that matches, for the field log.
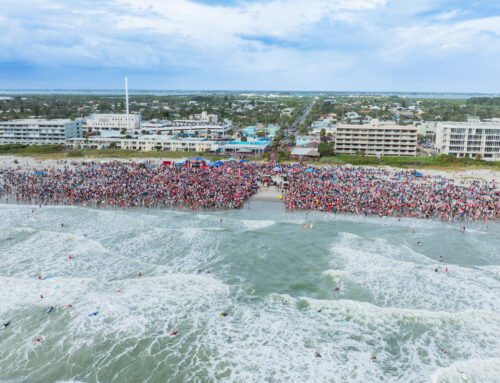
(375, 138)
(205, 117)
(427, 129)
(102, 122)
(39, 131)
(469, 139)
(305, 154)
(303, 140)
(189, 127)
(144, 143)
(256, 147)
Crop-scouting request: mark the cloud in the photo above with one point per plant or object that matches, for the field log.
(283, 44)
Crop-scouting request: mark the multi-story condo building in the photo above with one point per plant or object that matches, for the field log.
(100, 122)
(39, 132)
(187, 127)
(375, 138)
(468, 139)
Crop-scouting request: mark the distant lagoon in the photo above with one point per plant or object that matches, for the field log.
(153, 92)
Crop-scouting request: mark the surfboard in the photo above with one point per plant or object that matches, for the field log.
(94, 314)
(49, 309)
(49, 277)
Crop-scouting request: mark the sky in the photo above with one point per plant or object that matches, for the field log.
(318, 45)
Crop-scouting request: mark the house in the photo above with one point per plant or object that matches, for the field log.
(303, 140)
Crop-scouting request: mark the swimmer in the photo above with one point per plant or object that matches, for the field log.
(223, 315)
(419, 243)
(446, 269)
(305, 226)
(117, 291)
(312, 225)
(69, 306)
(173, 333)
(441, 259)
(69, 257)
(443, 351)
(140, 274)
(41, 296)
(373, 357)
(210, 272)
(6, 324)
(436, 269)
(62, 224)
(37, 340)
(70, 239)
(199, 271)
(320, 310)
(336, 288)
(318, 355)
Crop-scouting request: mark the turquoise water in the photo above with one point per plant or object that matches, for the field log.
(270, 275)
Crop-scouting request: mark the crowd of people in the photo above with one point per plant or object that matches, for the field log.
(389, 192)
(339, 189)
(126, 184)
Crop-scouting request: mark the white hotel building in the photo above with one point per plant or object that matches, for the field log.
(100, 122)
(468, 139)
(39, 132)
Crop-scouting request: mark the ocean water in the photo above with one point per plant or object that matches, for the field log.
(270, 275)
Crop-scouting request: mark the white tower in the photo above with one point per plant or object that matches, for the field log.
(126, 104)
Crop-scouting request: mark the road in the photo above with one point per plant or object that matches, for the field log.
(294, 126)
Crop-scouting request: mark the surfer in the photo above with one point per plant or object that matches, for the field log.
(6, 324)
(50, 309)
(69, 257)
(373, 357)
(199, 271)
(41, 296)
(441, 259)
(224, 314)
(173, 333)
(419, 243)
(319, 310)
(318, 355)
(38, 340)
(443, 351)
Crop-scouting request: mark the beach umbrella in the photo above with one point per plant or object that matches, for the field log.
(243, 161)
(276, 169)
(310, 170)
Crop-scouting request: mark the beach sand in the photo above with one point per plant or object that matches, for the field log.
(25, 163)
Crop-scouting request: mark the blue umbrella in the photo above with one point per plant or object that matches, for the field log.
(310, 170)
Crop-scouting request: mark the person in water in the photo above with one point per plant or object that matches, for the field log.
(173, 333)
(318, 355)
(224, 314)
(6, 324)
(373, 357)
